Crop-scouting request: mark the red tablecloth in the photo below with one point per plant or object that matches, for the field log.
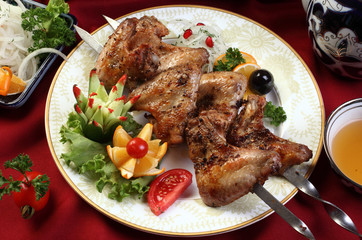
(67, 216)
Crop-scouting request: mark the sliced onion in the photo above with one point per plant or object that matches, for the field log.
(21, 5)
(24, 63)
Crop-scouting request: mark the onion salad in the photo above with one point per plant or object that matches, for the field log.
(201, 34)
(15, 42)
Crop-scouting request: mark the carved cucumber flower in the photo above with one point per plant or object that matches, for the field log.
(101, 112)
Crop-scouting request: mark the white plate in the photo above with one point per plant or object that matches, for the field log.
(297, 91)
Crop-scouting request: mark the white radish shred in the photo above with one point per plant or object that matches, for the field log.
(22, 69)
(21, 5)
(15, 42)
(198, 37)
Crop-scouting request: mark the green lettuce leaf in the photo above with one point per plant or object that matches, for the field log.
(91, 159)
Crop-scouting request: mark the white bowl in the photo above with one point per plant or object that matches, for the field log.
(340, 117)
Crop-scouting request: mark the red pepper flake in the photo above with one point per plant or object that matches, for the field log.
(122, 118)
(77, 108)
(187, 33)
(92, 94)
(110, 110)
(90, 102)
(114, 88)
(123, 79)
(93, 71)
(123, 98)
(76, 91)
(209, 42)
(200, 24)
(134, 99)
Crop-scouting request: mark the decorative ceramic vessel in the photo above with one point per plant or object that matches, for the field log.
(335, 28)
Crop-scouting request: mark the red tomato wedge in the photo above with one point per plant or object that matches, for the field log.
(167, 188)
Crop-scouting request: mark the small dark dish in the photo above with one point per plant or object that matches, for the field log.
(347, 112)
(16, 101)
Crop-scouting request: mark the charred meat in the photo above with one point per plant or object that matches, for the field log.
(223, 172)
(168, 98)
(248, 130)
(136, 49)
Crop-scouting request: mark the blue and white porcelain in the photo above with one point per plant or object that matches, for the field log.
(335, 28)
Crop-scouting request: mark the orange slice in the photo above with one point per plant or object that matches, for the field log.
(246, 69)
(118, 155)
(17, 85)
(146, 132)
(136, 167)
(121, 137)
(248, 58)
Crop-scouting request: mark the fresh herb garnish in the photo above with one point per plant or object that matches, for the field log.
(276, 114)
(95, 162)
(233, 57)
(23, 164)
(49, 30)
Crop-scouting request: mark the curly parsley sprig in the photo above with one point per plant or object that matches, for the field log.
(23, 164)
(49, 29)
(233, 57)
(276, 114)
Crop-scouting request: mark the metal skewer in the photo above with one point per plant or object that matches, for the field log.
(299, 181)
(340, 217)
(279, 208)
(282, 211)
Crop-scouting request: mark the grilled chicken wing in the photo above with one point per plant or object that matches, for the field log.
(248, 131)
(133, 49)
(223, 172)
(169, 97)
(222, 92)
(136, 49)
(166, 76)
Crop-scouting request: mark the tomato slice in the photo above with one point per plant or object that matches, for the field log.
(167, 188)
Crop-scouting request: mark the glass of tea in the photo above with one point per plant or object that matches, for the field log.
(343, 142)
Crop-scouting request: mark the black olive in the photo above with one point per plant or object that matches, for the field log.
(261, 81)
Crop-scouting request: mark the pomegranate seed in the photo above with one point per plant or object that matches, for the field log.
(209, 42)
(200, 24)
(187, 33)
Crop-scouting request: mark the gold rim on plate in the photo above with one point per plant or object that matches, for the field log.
(298, 92)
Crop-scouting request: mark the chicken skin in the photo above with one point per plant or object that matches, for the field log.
(231, 151)
(248, 131)
(223, 172)
(169, 97)
(132, 49)
(136, 49)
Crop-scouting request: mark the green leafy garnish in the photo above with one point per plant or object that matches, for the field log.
(276, 114)
(23, 164)
(41, 185)
(49, 29)
(8, 185)
(233, 57)
(95, 163)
